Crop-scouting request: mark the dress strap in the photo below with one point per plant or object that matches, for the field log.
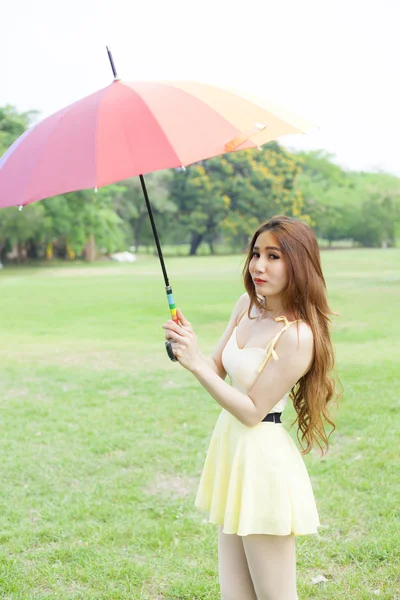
(270, 349)
(241, 315)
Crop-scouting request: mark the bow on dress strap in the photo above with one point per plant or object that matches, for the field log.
(270, 350)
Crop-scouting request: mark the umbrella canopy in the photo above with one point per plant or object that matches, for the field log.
(128, 129)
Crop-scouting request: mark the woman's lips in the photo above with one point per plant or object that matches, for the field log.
(259, 281)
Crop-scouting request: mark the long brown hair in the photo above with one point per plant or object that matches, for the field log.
(305, 297)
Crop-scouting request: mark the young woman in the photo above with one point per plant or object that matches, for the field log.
(277, 346)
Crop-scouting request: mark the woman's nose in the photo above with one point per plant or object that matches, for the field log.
(260, 265)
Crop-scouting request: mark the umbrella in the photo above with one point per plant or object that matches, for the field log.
(129, 129)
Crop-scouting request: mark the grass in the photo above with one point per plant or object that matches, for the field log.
(103, 438)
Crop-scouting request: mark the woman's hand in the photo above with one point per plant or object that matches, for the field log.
(183, 341)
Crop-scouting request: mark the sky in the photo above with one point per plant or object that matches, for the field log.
(333, 62)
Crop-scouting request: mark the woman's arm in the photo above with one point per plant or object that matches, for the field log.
(277, 377)
(235, 402)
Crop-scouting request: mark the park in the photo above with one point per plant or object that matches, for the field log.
(228, 148)
(104, 438)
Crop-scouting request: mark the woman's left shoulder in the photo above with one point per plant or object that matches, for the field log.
(300, 334)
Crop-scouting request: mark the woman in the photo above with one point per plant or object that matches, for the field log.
(254, 483)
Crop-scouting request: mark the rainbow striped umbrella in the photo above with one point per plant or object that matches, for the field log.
(129, 129)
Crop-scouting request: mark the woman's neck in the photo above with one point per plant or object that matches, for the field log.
(274, 308)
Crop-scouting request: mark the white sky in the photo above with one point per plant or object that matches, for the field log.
(334, 62)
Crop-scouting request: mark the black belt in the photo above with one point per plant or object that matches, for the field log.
(274, 417)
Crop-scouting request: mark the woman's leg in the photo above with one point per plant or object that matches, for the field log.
(272, 565)
(234, 577)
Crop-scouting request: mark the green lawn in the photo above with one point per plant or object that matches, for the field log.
(103, 438)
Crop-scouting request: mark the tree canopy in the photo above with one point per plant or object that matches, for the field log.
(221, 199)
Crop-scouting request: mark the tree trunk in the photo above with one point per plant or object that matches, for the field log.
(20, 250)
(2, 248)
(90, 249)
(32, 250)
(211, 246)
(136, 234)
(197, 238)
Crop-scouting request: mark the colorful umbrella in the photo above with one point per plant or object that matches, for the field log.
(128, 129)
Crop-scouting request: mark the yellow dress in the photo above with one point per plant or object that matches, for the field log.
(254, 479)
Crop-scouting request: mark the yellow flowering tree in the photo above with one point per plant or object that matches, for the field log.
(231, 194)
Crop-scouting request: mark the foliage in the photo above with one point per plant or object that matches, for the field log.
(363, 207)
(231, 194)
(12, 125)
(375, 225)
(222, 199)
(130, 205)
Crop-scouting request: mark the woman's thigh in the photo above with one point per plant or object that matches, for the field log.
(234, 576)
(272, 564)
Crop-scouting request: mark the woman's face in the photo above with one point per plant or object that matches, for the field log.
(267, 266)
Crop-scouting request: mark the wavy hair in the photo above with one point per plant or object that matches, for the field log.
(304, 296)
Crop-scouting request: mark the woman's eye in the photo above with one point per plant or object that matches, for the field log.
(257, 255)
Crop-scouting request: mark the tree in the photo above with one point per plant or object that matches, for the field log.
(16, 227)
(130, 206)
(20, 228)
(12, 125)
(223, 197)
(375, 225)
(233, 193)
(349, 205)
(93, 224)
(197, 194)
(330, 195)
(262, 184)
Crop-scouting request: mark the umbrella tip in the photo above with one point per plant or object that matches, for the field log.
(116, 78)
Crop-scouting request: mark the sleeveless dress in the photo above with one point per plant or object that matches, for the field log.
(254, 479)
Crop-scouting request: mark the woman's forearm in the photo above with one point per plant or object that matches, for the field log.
(234, 401)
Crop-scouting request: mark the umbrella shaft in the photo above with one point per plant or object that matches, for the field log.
(168, 288)
(153, 226)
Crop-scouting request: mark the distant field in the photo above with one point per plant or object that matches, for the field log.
(225, 249)
(103, 438)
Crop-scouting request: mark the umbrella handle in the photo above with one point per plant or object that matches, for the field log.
(170, 352)
(172, 308)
